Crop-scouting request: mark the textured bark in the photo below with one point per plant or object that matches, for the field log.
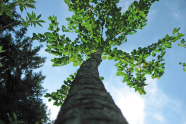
(88, 101)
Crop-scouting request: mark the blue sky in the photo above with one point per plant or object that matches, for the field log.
(165, 101)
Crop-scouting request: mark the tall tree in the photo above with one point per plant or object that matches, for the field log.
(85, 98)
(20, 95)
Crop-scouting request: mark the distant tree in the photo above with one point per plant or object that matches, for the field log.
(83, 97)
(17, 94)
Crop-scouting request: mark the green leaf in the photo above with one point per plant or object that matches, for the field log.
(47, 50)
(116, 59)
(10, 6)
(130, 8)
(63, 27)
(70, 27)
(30, 5)
(15, 116)
(110, 57)
(41, 21)
(1, 65)
(116, 64)
(68, 19)
(118, 73)
(22, 19)
(73, 17)
(9, 13)
(157, 50)
(38, 16)
(179, 29)
(39, 24)
(30, 16)
(71, 59)
(131, 65)
(10, 119)
(49, 99)
(183, 41)
(77, 31)
(184, 64)
(180, 45)
(21, 7)
(167, 37)
(180, 34)
(83, 24)
(153, 54)
(168, 45)
(80, 64)
(129, 82)
(75, 64)
(74, 27)
(104, 57)
(2, 51)
(136, 69)
(63, 87)
(102, 78)
(50, 40)
(174, 31)
(48, 34)
(143, 15)
(131, 70)
(66, 30)
(66, 53)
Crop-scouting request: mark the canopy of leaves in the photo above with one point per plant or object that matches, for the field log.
(90, 39)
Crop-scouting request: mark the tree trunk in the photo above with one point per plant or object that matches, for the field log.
(88, 101)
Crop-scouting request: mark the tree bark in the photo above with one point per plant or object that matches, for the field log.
(88, 101)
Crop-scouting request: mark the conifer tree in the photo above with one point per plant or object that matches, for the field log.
(20, 95)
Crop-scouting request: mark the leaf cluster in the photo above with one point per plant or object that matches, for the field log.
(22, 4)
(31, 18)
(60, 46)
(61, 94)
(142, 67)
(13, 121)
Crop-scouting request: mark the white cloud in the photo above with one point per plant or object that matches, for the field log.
(159, 117)
(54, 109)
(152, 85)
(130, 102)
(138, 109)
(132, 106)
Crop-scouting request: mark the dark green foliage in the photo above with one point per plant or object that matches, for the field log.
(20, 95)
(6, 20)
